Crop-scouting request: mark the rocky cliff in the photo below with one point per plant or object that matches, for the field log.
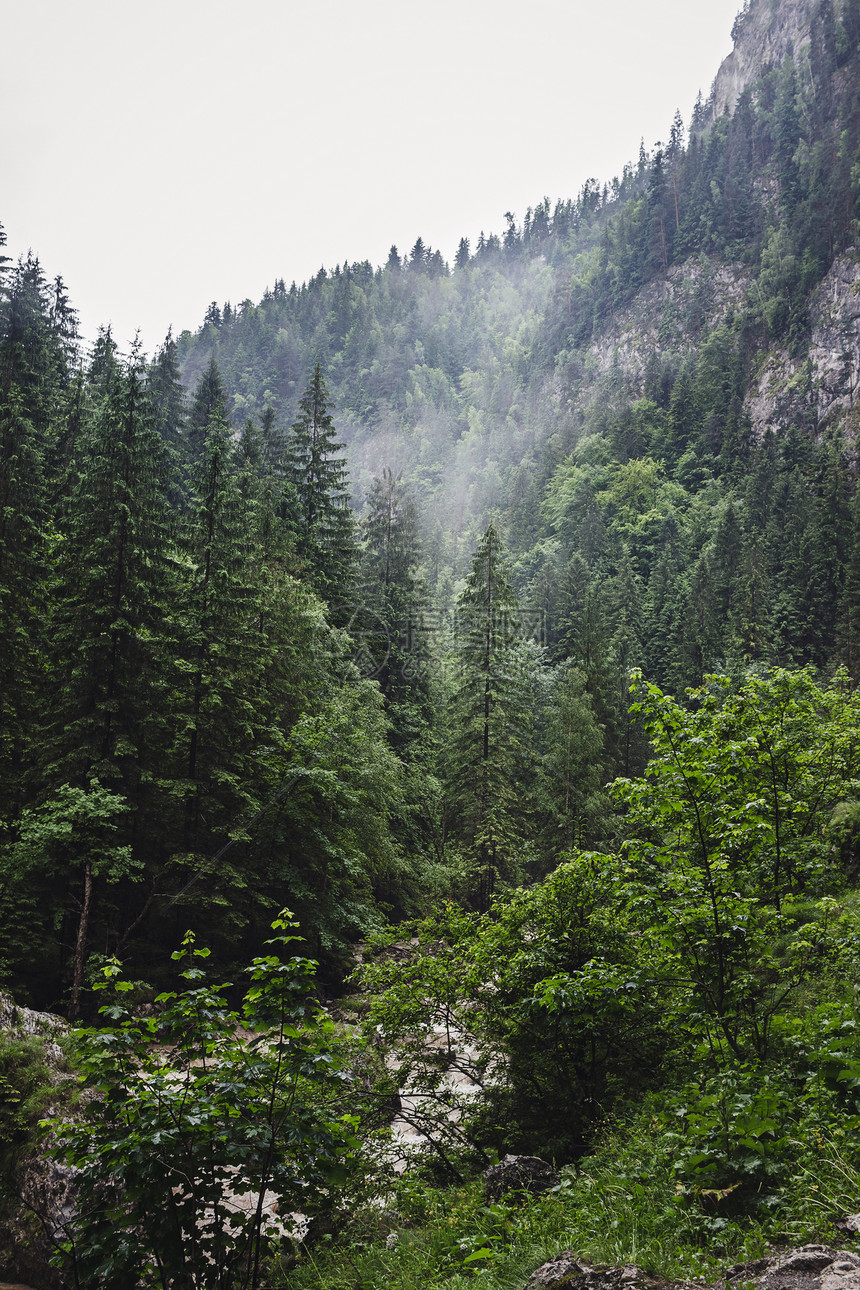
(764, 32)
(35, 1192)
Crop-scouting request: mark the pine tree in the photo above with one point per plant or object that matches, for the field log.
(24, 420)
(109, 647)
(463, 256)
(390, 616)
(167, 396)
(849, 607)
(324, 521)
(208, 404)
(571, 766)
(215, 727)
(489, 744)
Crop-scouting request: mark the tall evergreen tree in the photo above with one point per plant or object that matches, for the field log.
(23, 514)
(489, 749)
(209, 404)
(390, 613)
(109, 649)
(571, 768)
(317, 472)
(167, 395)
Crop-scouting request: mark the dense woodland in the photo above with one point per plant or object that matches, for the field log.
(391, 597)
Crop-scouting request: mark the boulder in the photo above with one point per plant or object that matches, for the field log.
(38, 1191)
(566, 1271)
(810, 1267)
(519, 1173)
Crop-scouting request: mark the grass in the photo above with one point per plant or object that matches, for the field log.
(621, 1205)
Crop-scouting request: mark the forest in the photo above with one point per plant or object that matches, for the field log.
(442, 669)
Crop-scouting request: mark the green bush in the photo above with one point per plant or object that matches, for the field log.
(189, 1109)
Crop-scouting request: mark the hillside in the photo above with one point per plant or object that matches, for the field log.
(490, 634)
(674, 315)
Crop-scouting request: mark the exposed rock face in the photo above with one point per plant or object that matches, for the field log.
(44, 1189)
(520, 1173)
(764, 34)
(810, 390)
(812, 1267)
(806, 390)
(670, 313)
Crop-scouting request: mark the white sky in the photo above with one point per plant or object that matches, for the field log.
(165, 154)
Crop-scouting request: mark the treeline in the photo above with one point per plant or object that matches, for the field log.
(771, 186)
(223, 695)
(183, 728)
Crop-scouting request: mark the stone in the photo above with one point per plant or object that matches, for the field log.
(44, 1187)
(567, 1272)
(809, 1258)
(810, 1267)
(843, 1273)
(519, 1173)
(562, 1271)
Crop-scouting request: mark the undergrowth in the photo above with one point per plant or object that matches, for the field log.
(623, 1204)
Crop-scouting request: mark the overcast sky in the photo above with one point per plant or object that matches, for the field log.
(165, 154)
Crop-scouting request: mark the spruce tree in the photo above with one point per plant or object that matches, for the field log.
(167, 396)
(109, 648)
(208, 404)
(24, 421)
(571, 767)
(215, 711)
(489, 747)
(389, 617)
(324, 521)
(848, 627)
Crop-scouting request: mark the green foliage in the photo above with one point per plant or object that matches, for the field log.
(197, 1117)
(323, 519)
(24, 1093)
(726, 823)
(489, 753)
(185, 719)
(545, 994)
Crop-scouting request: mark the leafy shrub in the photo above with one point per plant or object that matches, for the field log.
(192, 1108)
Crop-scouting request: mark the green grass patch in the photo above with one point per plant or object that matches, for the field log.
(623, 1204)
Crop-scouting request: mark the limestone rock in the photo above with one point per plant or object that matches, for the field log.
(810, 389)
(810, 1267)
(669, 315)
(519, 1173)
(567, 1272)
(45, 1188)
(763, 34)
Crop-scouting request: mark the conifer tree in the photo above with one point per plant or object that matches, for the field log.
(25, 415)
(489, 750)
(324, 521)
(389, 616)
(108, 646)
(849, 606)
(217, 726)
(570, 775)
(167, 395)
(209, 404)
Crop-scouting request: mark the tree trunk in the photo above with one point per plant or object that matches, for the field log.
(81, 944)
